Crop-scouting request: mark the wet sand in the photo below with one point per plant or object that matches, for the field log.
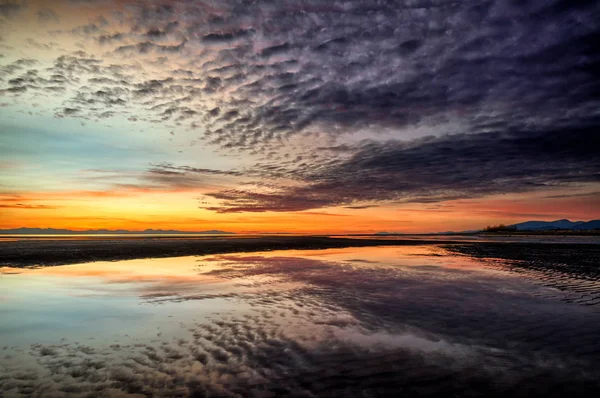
(45, 252)
(571, 268)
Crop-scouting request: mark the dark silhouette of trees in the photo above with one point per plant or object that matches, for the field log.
(500, 228)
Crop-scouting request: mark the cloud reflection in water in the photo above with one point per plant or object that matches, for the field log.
(341, 322)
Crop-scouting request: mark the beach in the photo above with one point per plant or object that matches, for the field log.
(423, 319)
(59, 250)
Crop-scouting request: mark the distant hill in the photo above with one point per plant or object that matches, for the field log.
(53, 231)
(558, 224)
(541, 226)
(586, 226)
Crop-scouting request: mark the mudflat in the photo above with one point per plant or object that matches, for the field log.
(572, 268)
(477, 319)
(46, 251)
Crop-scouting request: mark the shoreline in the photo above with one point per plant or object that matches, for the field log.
(32, 253)
(568, 258)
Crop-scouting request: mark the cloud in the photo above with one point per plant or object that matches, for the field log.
(47, 15)
(10, 8)
(108, 39)
(18, 65)
(381, 66)
(8, 201)
(147, 47)
(435, 169)
(26, 206)
(170, 169)
(300, 85)
(574, 195)
(226, 37)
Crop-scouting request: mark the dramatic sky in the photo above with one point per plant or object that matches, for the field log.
(298, 115)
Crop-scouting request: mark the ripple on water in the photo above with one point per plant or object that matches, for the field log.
(391, 321)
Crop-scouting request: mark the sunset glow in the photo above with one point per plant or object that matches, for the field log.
(256, 118)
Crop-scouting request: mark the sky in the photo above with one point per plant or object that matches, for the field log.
(298, 116)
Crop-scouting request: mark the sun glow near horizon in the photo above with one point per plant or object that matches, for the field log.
(193, 116)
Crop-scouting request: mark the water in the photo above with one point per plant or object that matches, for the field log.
(523, 238)
(377, 321)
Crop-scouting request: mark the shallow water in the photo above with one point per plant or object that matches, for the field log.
(375, 321)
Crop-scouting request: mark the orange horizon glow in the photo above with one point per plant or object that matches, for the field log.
(140, 209)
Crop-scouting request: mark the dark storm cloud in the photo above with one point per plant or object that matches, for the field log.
(437, 169)
(360, 64)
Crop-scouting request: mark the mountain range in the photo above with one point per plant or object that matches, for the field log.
(562, 224)
(524, 226)
(558, 224)
(53, 231)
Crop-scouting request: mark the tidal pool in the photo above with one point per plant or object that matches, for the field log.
(366, 322)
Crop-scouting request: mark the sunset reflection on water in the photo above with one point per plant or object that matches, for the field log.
(243, 322)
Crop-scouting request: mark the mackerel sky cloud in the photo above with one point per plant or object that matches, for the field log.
(349, 107)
